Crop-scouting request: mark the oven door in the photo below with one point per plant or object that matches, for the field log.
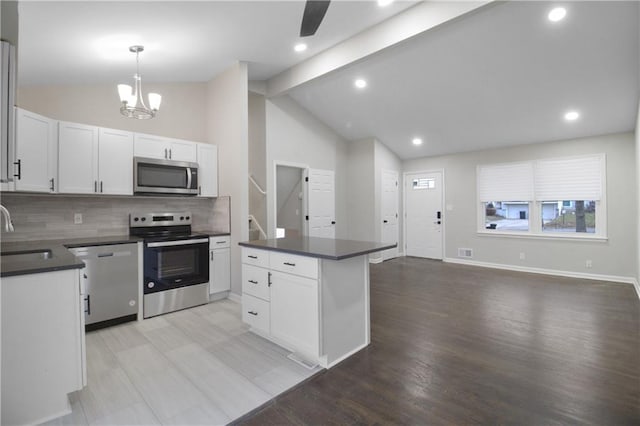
(174, 264)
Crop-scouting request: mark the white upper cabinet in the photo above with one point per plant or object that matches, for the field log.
(151, 146)
(115, 162)
(95, 160)
(36, 159)
(78, 158)
(207, 170)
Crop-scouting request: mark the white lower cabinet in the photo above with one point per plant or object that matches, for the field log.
(43, 354)
(219, 264)
(283, 306)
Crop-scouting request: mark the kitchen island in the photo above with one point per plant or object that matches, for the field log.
(309, 295)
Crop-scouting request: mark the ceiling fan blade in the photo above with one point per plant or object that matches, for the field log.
(314, 11)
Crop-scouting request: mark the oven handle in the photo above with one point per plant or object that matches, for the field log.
(178, 243)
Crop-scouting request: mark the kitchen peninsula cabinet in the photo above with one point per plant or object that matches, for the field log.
(43, 346)
(36, 157)
(309, 295)
(163, 148)
(95, 160)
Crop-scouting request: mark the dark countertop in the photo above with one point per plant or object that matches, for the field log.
(323, 248)
(59, 258)
(210, 232)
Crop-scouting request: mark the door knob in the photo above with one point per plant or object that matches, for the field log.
(385, 221)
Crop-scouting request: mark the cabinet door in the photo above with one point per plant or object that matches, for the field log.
(219, 270)
(207, 170)
(78, 158)
(150, 146)
(115, 162)
(183, 151)
(294, 312)
(36, 152)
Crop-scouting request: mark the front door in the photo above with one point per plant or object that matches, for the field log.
(424, 215)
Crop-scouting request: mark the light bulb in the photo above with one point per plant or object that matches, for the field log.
(124, 90)
(154, 101)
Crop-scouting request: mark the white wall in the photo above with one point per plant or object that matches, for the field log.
(361, 193)
(227, 126)
(294, 135)
(616, 257)
(182, 113)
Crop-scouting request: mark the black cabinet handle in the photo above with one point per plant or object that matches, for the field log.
(333, 222)
(222, 242)
(385, 221)
(199, 189)
(52, 187)
(252, 257)
(269, 279)
(253, 313)
(253, 282)
(19, 164)
(101, 187)
(95, 186)
(88, 300)
(289, 264)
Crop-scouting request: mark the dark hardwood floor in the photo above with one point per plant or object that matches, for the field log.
(461, 344)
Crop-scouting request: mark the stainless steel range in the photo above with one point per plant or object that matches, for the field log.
(176, 262)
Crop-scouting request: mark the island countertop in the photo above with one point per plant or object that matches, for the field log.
(323, 248)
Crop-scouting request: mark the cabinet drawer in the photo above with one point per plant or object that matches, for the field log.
(255, 312)
(294, 264)
(255, 257)
(255, 281)
(219, 242)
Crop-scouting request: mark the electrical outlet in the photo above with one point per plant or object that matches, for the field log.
(77, 218)
(588, 264)
(522, 256)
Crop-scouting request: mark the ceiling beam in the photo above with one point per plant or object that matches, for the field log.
(411, 22)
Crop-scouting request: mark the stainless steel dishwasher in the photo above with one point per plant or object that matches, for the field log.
(111, 278)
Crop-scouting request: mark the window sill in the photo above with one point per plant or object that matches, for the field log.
(549, 236)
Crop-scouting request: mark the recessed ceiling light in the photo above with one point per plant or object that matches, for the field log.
(360, 83)
(557, 14)
(416, 141)
(300, 47)
(572, 116)
(383, 3)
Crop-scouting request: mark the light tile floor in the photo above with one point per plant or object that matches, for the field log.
(193, 367)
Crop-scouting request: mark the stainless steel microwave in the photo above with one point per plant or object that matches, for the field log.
(153, 176)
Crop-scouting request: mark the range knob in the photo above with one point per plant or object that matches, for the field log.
(143, 219)
(188, 218)
(135, 219)
(151, 284)
(181, 217)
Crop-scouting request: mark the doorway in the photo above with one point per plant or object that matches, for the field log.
(424, 216)
(389, 212)
(289, 201)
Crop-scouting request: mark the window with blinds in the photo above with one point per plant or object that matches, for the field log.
(564, 196)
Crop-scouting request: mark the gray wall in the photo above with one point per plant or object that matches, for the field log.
(45, 217)
(227, 115)
(361, 190)
(257, 157)
(181, 115)
(294, 135)
(387, 160)
(289, 202)
(638, 202)
(614, 257)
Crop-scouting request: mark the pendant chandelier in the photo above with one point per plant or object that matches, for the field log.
(133, 105)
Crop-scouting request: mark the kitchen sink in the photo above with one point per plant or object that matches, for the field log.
(26, 256)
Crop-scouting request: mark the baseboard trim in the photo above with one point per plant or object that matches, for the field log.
(234, 297)
(543, 271)
(376, 260)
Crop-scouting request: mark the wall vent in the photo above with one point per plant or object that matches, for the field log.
(465, 252)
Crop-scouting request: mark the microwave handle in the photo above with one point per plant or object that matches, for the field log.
(189, 177)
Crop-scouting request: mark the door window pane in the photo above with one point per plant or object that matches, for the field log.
(424, 183)
(569, 216)
(506, 215)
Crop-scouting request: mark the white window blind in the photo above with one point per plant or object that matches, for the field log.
(578, 178)
(505, 182)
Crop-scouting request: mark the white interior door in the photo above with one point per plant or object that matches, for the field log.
(321, 203)
(423, 210)
(389, 212)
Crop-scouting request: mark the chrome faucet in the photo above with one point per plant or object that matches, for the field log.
(8, 226)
